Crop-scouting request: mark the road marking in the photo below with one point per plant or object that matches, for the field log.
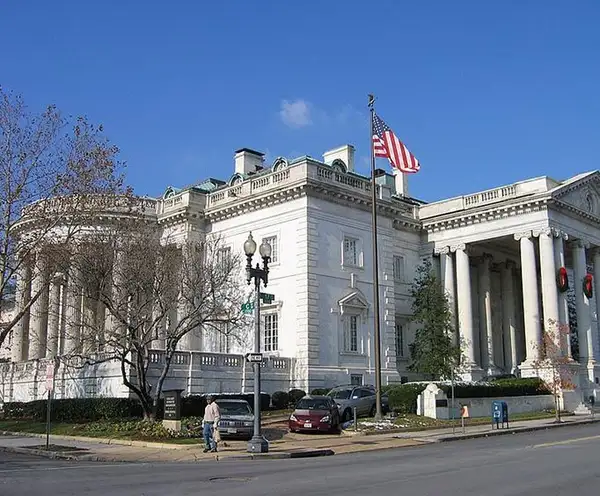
(568, 441)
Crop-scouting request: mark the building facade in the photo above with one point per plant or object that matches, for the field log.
(497, 252)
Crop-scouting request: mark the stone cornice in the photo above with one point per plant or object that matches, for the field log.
(487, 214)
(317, 189)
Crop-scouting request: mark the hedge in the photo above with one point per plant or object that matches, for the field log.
(74, 409)
(280, 400)
(403, 397)
(94, 409)
(295, 396)
(320, 392)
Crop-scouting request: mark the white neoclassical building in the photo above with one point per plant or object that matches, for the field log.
(497, 252)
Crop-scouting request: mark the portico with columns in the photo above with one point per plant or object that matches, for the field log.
(500, 252)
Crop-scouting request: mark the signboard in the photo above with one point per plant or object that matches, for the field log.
(172, 408)
(254, 357)
(267, 298)
(248, 307)
(50, 377)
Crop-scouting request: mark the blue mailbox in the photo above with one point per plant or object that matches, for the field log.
(499, 413)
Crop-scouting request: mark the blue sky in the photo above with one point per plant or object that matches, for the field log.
(483, 93)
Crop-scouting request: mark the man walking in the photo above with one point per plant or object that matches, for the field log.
(210, 422)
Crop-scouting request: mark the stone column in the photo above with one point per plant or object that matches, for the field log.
(38, 324)
(19, 346)
(596, 259)
(563, 302)
(54, 315)
(448, 280)
(549, 290)
(531, 310)
(509, 329)
(584, 320)
(465, 311)
(114, 328)
(73, 311)
(485, 319)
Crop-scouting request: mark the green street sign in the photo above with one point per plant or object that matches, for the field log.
(267, 298)
(248, 307)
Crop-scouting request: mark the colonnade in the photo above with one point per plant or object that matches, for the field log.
(66, 318)
(542, 302)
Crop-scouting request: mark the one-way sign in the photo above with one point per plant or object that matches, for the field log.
(254, 357)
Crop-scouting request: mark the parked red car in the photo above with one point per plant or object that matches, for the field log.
(315, 413)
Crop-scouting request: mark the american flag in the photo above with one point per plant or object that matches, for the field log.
(387, 145)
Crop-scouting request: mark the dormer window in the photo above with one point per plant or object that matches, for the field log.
(280, 163)
(236, 179)
(339, 165)
(169, 193)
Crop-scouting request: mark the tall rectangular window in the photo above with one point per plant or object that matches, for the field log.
(222, 338)
(272, 240)
(224, 256)
(350, 251)
(398, 268)
(351, 334)
(271, 332)
(400, 340)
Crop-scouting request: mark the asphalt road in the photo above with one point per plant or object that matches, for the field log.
(549, 463)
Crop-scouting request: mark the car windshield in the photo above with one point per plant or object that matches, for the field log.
(340, 394)
(234, 408)
(313, 404)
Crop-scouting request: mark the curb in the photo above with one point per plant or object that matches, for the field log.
(282, 455)
(54, 455)
(516, 430)
(101, 440)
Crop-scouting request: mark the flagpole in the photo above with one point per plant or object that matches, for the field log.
(378, 413)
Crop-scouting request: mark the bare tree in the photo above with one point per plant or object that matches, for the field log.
(154, 294)
(554, 364)
(52, 171)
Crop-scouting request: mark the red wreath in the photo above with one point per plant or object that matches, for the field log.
(588, 287)
(562, 280)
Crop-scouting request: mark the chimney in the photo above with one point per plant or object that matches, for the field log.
(247, 161)
(344, 153)
(401, 181)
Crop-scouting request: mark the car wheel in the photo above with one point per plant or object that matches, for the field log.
(347, 416)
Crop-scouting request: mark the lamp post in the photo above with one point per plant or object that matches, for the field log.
(258, 444)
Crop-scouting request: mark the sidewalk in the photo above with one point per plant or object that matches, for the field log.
(288, 446)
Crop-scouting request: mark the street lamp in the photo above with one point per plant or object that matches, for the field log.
(258, 444)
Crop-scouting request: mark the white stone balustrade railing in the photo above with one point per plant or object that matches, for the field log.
(471, 201)
(95, 204)
(200, 359)
(225, 361)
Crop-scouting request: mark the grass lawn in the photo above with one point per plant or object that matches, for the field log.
(411, 422)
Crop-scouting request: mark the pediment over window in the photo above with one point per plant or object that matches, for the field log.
(581, 193)
(354, 302)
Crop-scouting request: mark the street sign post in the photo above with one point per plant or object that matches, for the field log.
(49, 387)
(254, 357)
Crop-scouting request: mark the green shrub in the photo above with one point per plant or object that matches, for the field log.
(75, 409)
(502, 387)
(402, 398)
(320, 392)
(280, 400)
(295, 396)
